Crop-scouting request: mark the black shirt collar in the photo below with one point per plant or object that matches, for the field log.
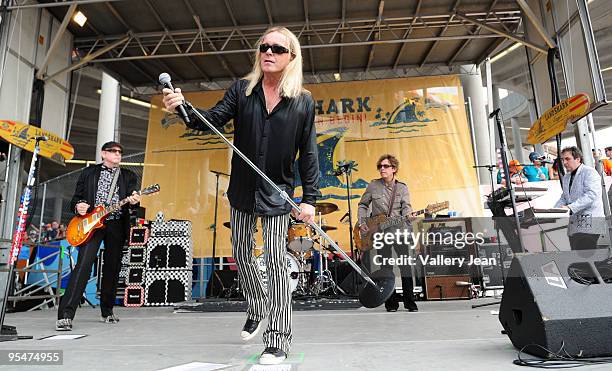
(576, 170)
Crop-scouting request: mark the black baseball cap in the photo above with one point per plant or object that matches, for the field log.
(111, 144)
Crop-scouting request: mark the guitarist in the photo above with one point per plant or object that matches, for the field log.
(378, 195)
(106, 184)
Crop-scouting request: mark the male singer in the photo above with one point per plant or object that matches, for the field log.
(273, 121)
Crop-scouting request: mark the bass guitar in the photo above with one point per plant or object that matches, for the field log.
(381, 222)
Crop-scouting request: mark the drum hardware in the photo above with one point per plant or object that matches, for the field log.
(324, 280)
(214, 244)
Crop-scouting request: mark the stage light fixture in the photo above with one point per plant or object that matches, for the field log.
(79, 18)
(505, 52)
(133, 101)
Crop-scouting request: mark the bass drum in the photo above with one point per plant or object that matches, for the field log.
(293, 269)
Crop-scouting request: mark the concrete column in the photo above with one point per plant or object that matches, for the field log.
(57, 207)
(490, 108)
(517, 140)
(109, 108)
(472, 88)
(496, 104)
(581, 131)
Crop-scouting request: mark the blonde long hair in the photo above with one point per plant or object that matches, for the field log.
(290, 85)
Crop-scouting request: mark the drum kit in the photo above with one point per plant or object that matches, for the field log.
(307, 256)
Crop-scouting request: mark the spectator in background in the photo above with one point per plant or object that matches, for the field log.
(47, 232)
(52, 230)
(607, 162)
(516, 174)
(536, 172)
(61, 232)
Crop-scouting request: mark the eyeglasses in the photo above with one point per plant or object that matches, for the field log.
(384, 166)
(276, 49)
(116, 150)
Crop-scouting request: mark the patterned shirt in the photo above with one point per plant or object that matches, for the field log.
(104, 184)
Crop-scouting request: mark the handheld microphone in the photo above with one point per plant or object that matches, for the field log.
(165, 80)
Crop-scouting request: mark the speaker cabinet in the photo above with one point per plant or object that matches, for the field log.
(560, 300)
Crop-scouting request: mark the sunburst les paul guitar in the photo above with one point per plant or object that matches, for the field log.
(379, 223)
(81, 227)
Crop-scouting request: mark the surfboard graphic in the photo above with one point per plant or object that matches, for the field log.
(556, 118)
(22, 135)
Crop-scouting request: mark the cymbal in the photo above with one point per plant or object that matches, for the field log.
(326, 228)
(325, 208)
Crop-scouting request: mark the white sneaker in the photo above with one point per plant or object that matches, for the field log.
(272, 356)
(250, 329)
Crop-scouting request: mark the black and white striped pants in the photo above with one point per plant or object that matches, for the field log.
(276, 302)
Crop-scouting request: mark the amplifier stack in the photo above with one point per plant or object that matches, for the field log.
(134, 291)
(447, 281)
(168, 261)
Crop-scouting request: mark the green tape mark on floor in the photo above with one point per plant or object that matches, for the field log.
(294, 358)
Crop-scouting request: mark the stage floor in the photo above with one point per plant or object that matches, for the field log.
(441, 336)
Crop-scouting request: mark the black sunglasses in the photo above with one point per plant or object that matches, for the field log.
(383, 166)
(114, 150)
(276, 49)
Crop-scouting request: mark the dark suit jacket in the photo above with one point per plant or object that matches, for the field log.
(87, 185)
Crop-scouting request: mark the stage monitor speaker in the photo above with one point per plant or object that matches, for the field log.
(561, 301)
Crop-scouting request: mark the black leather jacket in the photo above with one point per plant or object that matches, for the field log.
(272, 142)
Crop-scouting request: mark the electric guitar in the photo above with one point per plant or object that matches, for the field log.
(81, 227)
(381, 222)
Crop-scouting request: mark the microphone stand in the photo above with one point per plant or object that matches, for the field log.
(212, 271)
(347, 169)
(490, 168)
(509, 185)
(9, 333)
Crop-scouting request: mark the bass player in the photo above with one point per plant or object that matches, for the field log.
(389, 196)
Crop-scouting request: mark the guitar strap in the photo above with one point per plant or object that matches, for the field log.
(111, 190)
(392, 199)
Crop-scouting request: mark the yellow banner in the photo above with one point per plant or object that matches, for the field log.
(422, 121)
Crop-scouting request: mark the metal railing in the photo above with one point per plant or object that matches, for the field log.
(24, 291)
